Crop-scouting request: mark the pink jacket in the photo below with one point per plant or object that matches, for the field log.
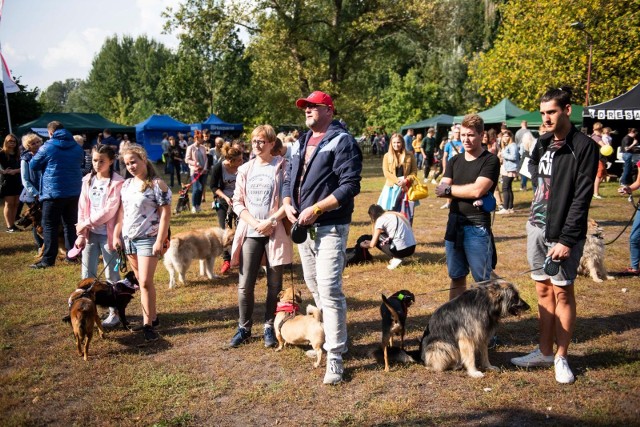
(108, 215)
(279, 248)
(190, 158)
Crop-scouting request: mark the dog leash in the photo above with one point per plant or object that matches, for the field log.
(635, 211)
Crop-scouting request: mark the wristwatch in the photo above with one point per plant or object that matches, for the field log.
(317, 210)
(447, 190)
(274, 221)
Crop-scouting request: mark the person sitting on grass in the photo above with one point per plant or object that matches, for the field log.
(392, 234)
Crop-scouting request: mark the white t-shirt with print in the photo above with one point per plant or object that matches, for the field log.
(141, 217)
(398, 229)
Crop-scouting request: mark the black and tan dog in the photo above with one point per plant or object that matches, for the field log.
(83, 315)
(298, 329)
(461, 328)
(393, 311)
(112, 294)
(33, 216)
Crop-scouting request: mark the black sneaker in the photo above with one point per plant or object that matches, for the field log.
(39, 265)
(270, 337)
(139, 327)
(149, 333)
(241, 336)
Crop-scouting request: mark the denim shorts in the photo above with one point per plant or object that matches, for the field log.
(141, 247)
(537, 249)
(475, 255)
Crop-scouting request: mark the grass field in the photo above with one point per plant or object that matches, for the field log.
(189, 378)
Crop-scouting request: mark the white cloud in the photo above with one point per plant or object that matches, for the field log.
(76, 49)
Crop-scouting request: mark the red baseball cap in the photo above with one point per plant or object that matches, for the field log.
(316, 97)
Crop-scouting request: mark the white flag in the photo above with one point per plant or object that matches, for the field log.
(9, 85)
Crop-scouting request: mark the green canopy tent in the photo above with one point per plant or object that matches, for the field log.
(534, 120)
(75, 123)
(501, 112)
(432, 122)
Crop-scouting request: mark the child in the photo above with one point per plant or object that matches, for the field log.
(143, 221)
(97, 215)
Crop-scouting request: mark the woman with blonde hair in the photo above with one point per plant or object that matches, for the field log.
(143, 227)
(417, 150)
(260, 237)
(10, 181)
(30, 178)
(397, 165)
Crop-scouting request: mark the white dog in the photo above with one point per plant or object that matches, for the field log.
(204, 244)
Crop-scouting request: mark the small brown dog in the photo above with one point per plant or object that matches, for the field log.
(298, 329)
(83, 313)
(592, 261)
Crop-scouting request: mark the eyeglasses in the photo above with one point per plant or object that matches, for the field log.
(258, 142)
(314, 106)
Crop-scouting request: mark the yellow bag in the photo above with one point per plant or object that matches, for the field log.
(417, 191)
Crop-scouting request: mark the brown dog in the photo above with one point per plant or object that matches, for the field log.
(201, 244)
(298, 329)
(592, 261)
(83, 313)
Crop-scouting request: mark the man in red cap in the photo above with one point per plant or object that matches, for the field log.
(319, 191)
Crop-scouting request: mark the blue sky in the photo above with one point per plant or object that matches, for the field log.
(44, 41)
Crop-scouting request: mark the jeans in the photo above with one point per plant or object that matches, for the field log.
(253, 249)
(625, 179)
(174, 168)
(419, 160)
(634, 242)
(523, 182)
(98, 244)
(221, 212)
(476, 254)
(196, 190)
(323, 261)
(53, 212)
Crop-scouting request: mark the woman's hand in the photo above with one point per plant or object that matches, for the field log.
(117, 242)
(265, 227)
(366, 244)
(157, 247)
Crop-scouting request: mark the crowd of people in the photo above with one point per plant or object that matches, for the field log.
(119, 205)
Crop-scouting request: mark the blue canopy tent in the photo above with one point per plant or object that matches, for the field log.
(149, 133)
(217, 126)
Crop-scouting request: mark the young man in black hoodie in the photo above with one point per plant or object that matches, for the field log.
(566, 162)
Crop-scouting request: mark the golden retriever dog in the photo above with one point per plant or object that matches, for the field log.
(298, 329)
(460, 329)
(592, 261)
(203, 244)
(83, 314)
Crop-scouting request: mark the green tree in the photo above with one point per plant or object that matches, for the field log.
(536, 47)
(23, 107)
(126, 73)
(54, 98)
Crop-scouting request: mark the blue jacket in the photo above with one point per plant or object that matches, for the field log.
(334, 168)
(511, 157)
(60, 159)
(30, 179)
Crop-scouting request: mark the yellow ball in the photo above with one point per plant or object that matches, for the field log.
(606, 150)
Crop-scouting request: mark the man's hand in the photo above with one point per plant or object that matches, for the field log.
(559, 252)
(443, 190)
(291, 213)
(624, 190)
(307, 217)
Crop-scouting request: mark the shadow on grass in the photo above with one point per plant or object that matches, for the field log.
(11, 250)
(502, 416)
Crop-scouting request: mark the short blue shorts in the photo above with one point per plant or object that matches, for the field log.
(140, 247)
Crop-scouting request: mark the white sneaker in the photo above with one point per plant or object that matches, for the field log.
(533, 359)
(193, 209)
(445, 206)
(395, 262)
(503, 212)
(563, 372)
(333, 374)
(198, 209)
(112, 320)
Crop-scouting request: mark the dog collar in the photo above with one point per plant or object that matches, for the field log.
(287, 307)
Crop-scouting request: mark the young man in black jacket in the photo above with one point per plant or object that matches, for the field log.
(566, 162)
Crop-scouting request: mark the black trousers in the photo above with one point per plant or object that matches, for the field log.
(55, 211)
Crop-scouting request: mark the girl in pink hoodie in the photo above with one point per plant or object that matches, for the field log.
(97, 215)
